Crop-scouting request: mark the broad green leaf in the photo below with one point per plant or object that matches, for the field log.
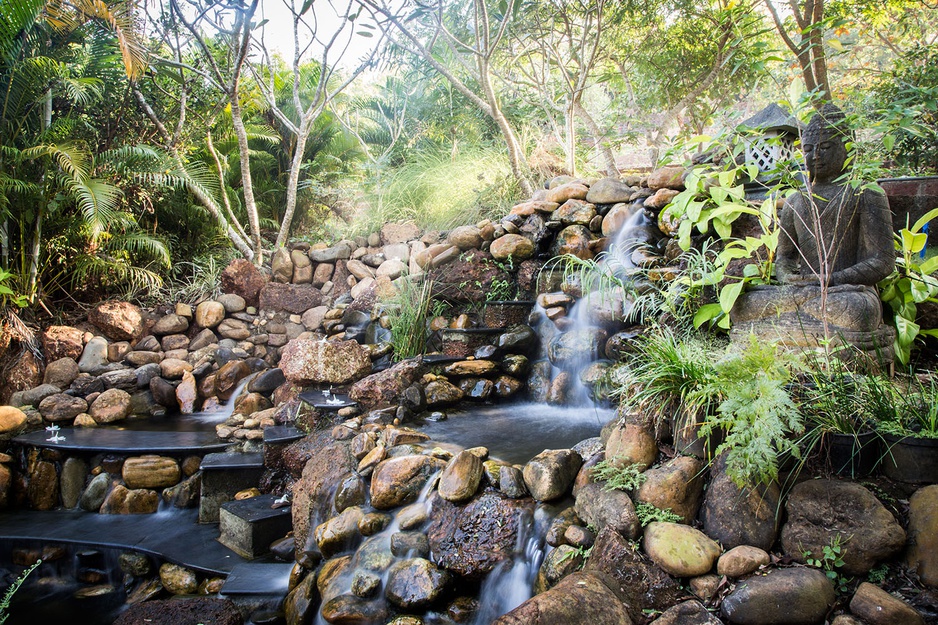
(683, 234)
(924, 219)
(706, 313)
(929, 266)
(724, 322)
(729, 294)
(906, 330)
(911, 242)
(889, 141)
(724, 226)
(920, 291)
(693, 210)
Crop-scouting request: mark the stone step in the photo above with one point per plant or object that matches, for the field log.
(281, 435)
(249, 526)
(223, 476)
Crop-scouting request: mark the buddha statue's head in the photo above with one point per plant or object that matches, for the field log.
(824, 144)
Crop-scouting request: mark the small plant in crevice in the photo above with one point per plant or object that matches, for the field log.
(617, 477)
(829, 560)
(878, 574)
(649, 513)
(581, 553)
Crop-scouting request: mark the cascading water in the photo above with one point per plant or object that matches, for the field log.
(511, 582)
(577, 340)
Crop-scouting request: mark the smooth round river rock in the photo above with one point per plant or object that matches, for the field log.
(460, 479)
(680, 549)
(550, 474)
(795, 596)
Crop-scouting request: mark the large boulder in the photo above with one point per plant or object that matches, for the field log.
(795, 596)
(824, 511)
(242, 278)
(415, 583)
(210, 313)
(471, 539)
(468, 278)
(922, 555)
(602, 508)
(122, 500)
(460, 479)
(680, 549)
(150, 471)
(12, 422)
(877, 607)
(61, 407)
(62, 342)
(385, 388)
(292, 298)
(676, 485)
(398, 481)
(61, 372)
(513, 246)
(307, 361)
(736, 516)
(110, 406)
(325, 463)
(182, 610)
(608, 191)
(638, 581)
(550, 474)
(578, 598)
(119, 321)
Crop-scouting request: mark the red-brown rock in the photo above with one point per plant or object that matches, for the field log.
(293, 298)
(119, 321)
(385, 388)
(470, 539)
(242, 278)
(62, 342)
(306, 361)
(313, 493)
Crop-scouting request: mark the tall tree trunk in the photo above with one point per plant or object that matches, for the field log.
(293, 182)
(609, 159)
(203, 198)
(569, 123)
(247, 185)
(516, 158)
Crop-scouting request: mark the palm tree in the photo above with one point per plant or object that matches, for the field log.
(53, 187)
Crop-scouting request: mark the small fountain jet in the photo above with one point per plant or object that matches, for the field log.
(56, 437)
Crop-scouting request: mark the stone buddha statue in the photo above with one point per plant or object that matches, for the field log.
(835, 245)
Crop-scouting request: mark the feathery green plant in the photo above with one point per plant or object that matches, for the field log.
(616, 477)
(11, 591)
(755, 413)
